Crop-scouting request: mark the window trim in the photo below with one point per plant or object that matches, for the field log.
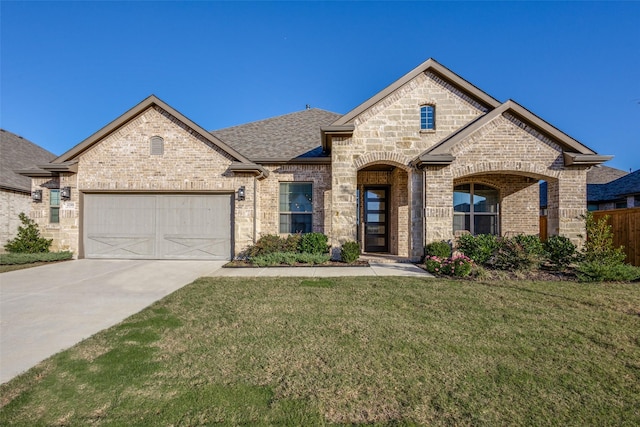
(54, 207)
(472, 212)
(291, 213)
(427, 125)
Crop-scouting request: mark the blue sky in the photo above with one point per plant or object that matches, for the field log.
(69, 68)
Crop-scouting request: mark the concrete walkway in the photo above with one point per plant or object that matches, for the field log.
(374, 269)
(46, 309)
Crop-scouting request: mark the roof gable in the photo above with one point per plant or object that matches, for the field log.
(430, 65)
(17, 153)
(575, 152)
(151, 101)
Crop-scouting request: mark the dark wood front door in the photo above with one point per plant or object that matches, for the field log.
(376, 219)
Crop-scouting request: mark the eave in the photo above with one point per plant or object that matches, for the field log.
(328, 132)
(250, 168)
(575, 159)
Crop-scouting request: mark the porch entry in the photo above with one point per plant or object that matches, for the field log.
(376, 219)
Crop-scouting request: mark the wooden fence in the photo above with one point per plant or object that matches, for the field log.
(625, 225)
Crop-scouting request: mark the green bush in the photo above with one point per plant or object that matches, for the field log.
(598, 271)
(511, 255)
(350, 252)
(599, 243)
(26, 258)
(267, 244)
(530, 243)
(288, 258)
(28, 239)
(458, 266)
(559, 252)
(479, 248)
(292, 243)
(433, 264)
(440, 249)
(314, 243)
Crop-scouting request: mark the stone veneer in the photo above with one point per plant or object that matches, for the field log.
(122, 162)
(12, 203)
(505, 153)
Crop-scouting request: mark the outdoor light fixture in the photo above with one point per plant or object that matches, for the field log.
(241, 193)
(65, 193)
(36, 195)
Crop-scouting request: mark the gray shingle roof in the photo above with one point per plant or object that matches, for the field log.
(17, 153)
(604, 174)
(295, 135)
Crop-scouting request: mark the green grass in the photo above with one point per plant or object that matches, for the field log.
(18, 261)
(385, 351)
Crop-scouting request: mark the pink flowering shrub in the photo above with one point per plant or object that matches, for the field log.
(458, 265)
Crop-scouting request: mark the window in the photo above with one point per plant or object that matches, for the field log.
(54, 206)
(427, 117)
(157, 146)
(296, 207)
(475, 209)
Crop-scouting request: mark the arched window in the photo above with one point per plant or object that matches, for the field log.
(476, 208)
(427, 117)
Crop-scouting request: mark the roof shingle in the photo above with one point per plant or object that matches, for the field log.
(17, 153)
(294, 135)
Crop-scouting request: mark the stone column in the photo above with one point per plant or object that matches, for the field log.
(344, 179)
(416, 218)
(438, 203)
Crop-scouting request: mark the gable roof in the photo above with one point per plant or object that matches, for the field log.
(430, 65)
(282, 138)
(628, 185)
(150, 101)
(575, 152)
(18, 153)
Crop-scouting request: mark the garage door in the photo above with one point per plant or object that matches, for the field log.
(157, 226)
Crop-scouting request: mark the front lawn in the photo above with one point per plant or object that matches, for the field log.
(298, 351)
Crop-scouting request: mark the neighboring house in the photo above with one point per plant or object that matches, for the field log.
(607, 188)
(15, 190)
(621, 193)
(426, 158)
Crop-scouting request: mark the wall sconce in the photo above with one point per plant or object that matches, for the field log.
(241, 194)
(65, 193)
(36, 195)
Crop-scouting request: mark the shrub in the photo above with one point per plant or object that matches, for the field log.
(597, 271)
(292, 243)
(350, 252)
(28, 239)
(267, 244)
(459, 266)
(512, 255)
(433, 264)
(479, 248)
(560, 252)
(288, 258)
(26, 258)
(314, 243)
(599, 243)
(530, 243)
(439, 249)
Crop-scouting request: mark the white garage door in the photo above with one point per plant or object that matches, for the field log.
(157, 226)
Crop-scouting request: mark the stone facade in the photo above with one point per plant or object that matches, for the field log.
(12, 203)
(380, 143)
(122, 162)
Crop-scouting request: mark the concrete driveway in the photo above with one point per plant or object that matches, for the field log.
(47, 309)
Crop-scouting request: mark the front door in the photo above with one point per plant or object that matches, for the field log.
(376, 219)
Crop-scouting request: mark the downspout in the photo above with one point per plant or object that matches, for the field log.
(255, 206)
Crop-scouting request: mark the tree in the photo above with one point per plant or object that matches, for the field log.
(28, 239)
